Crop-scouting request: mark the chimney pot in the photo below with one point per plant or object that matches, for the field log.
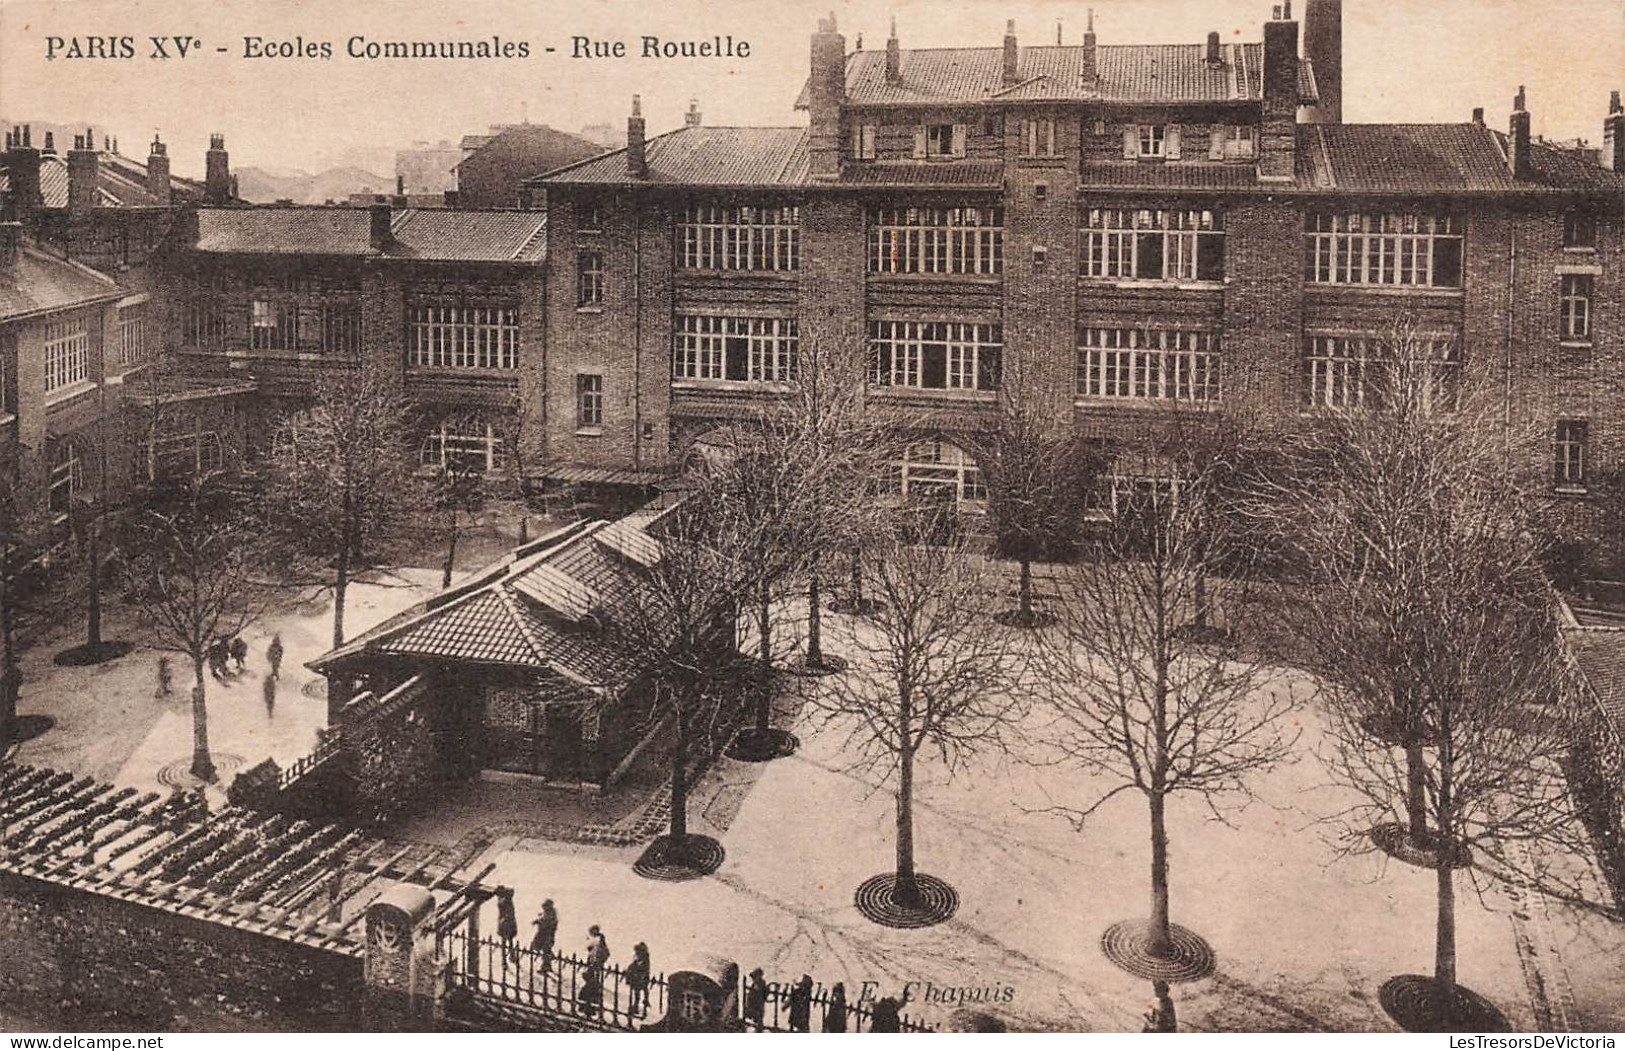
(83, 175)
(894, 56)
(1614, 105)
(217, 181)
(1613, 136)
(1275, 13)
(637, 164)
(692, 119)
(1089, 69)
(1213, 56)
(27, 136)
(1286, 10)
(50, 146)
(1518, 155)
(1478, 115)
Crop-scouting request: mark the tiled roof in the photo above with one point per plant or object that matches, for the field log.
(120, 182)
(987, 174)
(1601, 657)
(532, 610)
(440, 233)
(44, 284)
(1423, 158)
(704, 157)
(286, 231)
(474, 142)
(1193, 176)
(1154, 73)
(427, 233)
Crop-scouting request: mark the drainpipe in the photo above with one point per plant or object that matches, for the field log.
(637, 333)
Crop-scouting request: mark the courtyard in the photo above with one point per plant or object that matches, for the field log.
(1303, 934)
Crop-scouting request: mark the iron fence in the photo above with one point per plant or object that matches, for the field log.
(558, 983)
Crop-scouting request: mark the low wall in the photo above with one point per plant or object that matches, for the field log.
(102, 960)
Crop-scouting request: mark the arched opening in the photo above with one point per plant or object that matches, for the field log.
(466, 443)
(936, 469)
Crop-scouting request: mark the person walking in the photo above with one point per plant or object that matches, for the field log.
(835, 1013)
(1160, 1017)
(637, 980)
(547, 932)
(239, 653)
(507, 924)
(166, 677)
(273, 655)
(756, 999)
(801, 1005)
(591, 996)
(217, 659)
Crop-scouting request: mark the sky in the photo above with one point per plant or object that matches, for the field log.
(1404, 60)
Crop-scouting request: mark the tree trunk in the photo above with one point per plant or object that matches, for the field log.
(1416, 800)
(679, 783)
(93, 613)
(1026, 591)
(764, 628)
(906, 891)
(857, 581)
(1444, 945)
(341, 585)
(1162, 941)
(451, 551)
(815, 624)
(10, 674)
(202, 763)
(1201, 599)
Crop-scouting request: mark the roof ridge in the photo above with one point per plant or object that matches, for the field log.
(607, 153)
(510, 604)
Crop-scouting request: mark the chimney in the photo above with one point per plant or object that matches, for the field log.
(637, 164)
(1215, 57)
(1478, 116)
(22, 168)
(1613, 135)
(894, 53)
(1012, 55)
(1088, 68)
(1323, 47)
(50, 146)
(691, 119)
(1278, 142)
(378, 233)
(158, 170)
(1518, 139)
(11, 239)
(83, 175)
(400, 186)
(826, 96)
(217, 170)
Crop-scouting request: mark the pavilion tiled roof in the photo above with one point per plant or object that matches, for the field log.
(1434, 158)
(120, 183)
(533, 610)
(44, 284)
(282, 230)
(703, 156)
(1127, 73)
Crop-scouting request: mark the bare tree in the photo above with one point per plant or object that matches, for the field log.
(1432, 626)
(24, 529)
(190, 546)
(931, 673)
(342, 476)
(1038, 476)
(1139, 700)
(672, 612)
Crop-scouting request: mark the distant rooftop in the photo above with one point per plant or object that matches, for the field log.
(431, 234)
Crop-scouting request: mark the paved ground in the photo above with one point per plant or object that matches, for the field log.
(1304, 938)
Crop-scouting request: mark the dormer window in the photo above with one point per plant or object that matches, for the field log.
(935, 141)
(1233, 142)
(1153, 140)
(863, 142)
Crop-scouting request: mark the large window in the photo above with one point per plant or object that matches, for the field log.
(936, 355)
(66, 481)
(204, 324)
(1576, 307)
(1154, 245)
(1403, 249)
(739, 237)
(1571, 454)
(589, 401)
(863, 142)
(183, 447)
(67, 352)
(463, 445)
(289, 326)
(938, 468)
(1357, 372)
(1152, 140)
(132, 336)
(936, 241)
(1169, 364)
(739, 349)
(589, 279)
(464, 337)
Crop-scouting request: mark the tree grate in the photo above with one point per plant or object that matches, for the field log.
(1128, 945)
(938, 902)
(675, 860)
(1416, 1005)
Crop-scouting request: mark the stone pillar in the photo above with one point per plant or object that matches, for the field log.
(405, 984)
